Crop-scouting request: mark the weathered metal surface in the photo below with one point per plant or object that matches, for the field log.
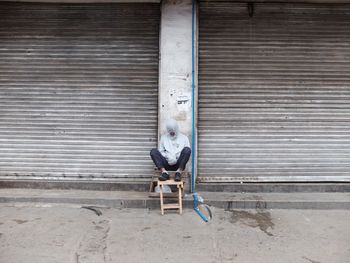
(90, 1)
(78, 89)
(270, 1)
(274, 92)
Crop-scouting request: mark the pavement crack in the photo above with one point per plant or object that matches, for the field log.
(310, 260)
(76, 254)
(77, 257)
(104, 242)
(93, 246)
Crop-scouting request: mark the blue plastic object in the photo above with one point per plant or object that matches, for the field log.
(196, 202)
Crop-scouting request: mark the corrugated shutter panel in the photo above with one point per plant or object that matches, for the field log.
(274, 92)
(78, 89)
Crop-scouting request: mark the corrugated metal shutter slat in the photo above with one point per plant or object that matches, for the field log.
(78, 89)
(274, 92)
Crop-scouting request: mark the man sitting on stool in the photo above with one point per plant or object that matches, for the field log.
(174, 152)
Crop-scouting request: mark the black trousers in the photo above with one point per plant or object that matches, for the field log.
(160, 161)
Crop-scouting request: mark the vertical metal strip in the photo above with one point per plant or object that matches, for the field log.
(194, 131)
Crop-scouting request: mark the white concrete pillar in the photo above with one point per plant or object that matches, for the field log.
(175, 67)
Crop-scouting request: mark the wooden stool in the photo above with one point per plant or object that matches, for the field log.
(180, 186)
(154, 183)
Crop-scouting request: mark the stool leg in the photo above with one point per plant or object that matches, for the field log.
(180, 199)
(161, 199)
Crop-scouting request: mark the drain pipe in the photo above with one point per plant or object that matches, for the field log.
(194, 146)
(197, 200)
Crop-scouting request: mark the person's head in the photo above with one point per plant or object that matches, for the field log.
(172, 128)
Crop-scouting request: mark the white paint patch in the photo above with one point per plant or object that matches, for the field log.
(183, 102)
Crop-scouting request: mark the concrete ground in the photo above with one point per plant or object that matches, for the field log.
(47, 233)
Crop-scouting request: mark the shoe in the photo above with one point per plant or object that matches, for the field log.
(163, 177)
(177, 177)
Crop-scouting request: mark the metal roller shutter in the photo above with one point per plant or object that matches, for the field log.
(78, 90)
(274, 92)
